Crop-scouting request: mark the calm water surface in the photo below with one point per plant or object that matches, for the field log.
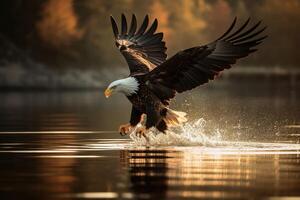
(63, 145)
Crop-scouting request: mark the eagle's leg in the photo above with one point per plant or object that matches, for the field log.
(148, 120)
(143, 119)
(141, 130)
(135, 118)
(124, 129)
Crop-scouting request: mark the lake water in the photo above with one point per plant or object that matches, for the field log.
(239, 143)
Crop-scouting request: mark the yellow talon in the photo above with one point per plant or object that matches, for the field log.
(140, 131)
(124, 129)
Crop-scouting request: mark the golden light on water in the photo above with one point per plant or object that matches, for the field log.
(211, 168)
(224, 170)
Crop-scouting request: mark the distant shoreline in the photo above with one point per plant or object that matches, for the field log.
(80, 80)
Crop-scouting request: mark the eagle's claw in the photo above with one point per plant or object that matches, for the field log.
(140, 132)
(124, 129)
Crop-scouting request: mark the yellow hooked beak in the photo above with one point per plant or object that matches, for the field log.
(108, 92)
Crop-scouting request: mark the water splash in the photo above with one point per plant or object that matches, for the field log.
(197, 134)
(193, 133)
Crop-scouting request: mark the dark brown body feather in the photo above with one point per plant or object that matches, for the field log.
(146, 102)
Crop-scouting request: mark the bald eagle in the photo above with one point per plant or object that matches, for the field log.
(154, 80)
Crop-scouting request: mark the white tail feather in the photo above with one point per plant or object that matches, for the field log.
(175, 118)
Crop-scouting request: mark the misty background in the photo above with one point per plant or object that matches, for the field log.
(69, 43)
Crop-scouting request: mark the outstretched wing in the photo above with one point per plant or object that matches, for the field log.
(143, 49)
(195, 66)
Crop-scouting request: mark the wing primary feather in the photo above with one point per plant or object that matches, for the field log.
(197, 65)
(153, 28)
(239, 30)
(124, 25)
(132, 26)
(246, 32)
(250, 36)
(229, 29)
(114, 26)
(157, 37)
(253, 42)
(143, 26)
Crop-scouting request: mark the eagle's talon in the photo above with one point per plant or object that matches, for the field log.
(140, 132)
(122, 133)
(124, 129)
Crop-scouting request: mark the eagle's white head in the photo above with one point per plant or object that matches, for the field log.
(127, 86)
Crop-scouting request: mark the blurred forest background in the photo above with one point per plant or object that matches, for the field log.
(53, 43)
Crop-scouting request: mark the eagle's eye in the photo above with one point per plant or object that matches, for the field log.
(117, 44)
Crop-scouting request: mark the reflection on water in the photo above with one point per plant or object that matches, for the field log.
(186, 175)
(89, 168)
(63, 145)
